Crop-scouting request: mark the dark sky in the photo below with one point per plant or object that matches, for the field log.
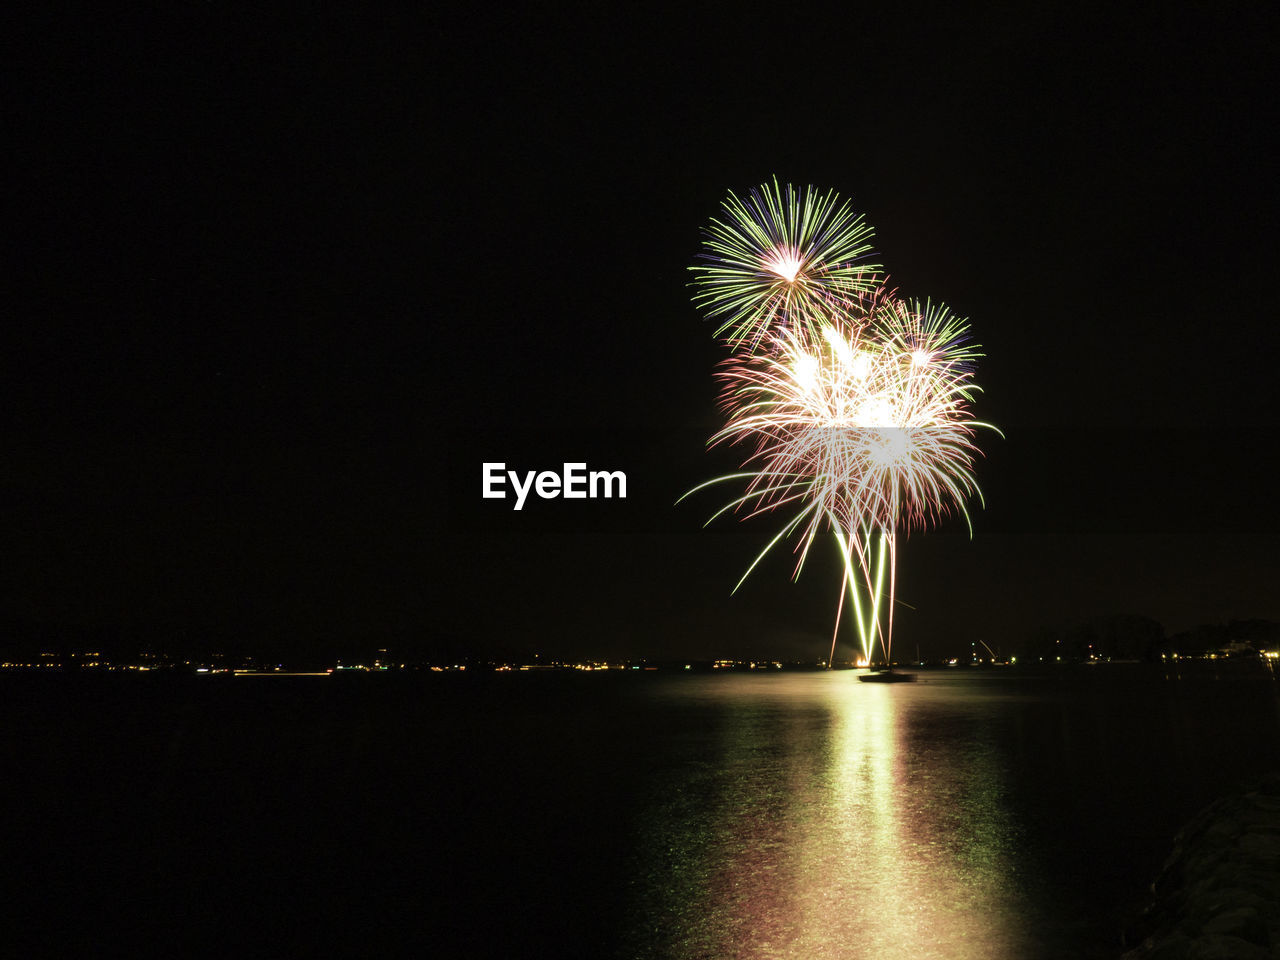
(280, 284)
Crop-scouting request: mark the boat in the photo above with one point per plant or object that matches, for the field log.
(886, 675)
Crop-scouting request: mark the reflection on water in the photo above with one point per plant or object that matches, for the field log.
(912, 843)
(978, 813)
(842, 820)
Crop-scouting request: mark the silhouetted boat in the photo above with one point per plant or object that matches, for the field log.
(887, 675)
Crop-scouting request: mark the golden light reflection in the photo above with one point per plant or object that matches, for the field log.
(902, 863)
(854, 860)
(842, 820)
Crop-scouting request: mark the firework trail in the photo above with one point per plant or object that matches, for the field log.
(855, 407)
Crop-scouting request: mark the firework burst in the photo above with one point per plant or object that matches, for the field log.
(855, 406)
(879, 432)
(781, 257)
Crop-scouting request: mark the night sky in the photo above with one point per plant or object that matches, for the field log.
(280, 284)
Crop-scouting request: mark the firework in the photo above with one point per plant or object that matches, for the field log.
(855, 406)
(781, 257)
(877, 432)
(859, 432)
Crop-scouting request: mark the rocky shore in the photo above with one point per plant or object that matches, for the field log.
(1218, 895)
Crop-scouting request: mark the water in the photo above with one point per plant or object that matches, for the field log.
(972, 814)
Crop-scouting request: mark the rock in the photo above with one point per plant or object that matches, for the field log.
(1228, 898)
(1175, 946)
(1261, 846)
(1218, 893)
(1243, 922)
(1224, 947)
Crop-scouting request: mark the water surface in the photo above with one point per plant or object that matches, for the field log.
(806, 815)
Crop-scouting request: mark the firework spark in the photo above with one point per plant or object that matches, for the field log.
(856, 405)
(858, 432)
(876, 433)
(781, 256)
